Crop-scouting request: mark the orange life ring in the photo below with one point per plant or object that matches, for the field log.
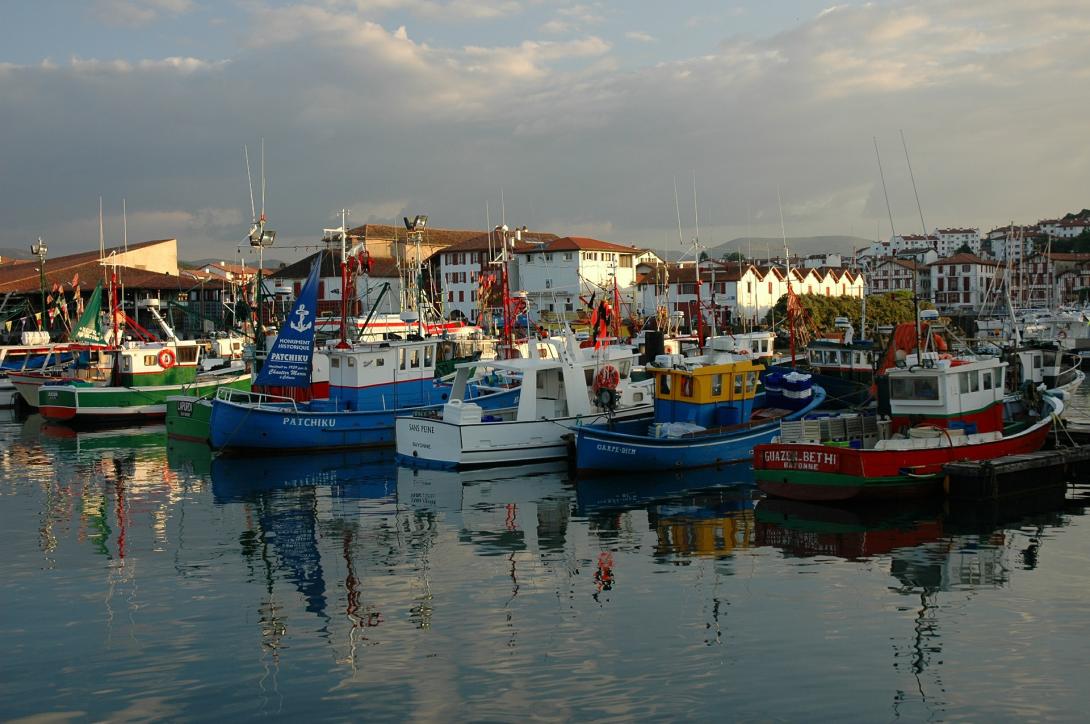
(607, 378)
(166, 359)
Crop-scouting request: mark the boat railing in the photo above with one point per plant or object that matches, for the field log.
(248, 397)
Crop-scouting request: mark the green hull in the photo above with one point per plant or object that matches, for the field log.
(77, 403)
(188, 418)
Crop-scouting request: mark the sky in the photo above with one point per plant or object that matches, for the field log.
(577, 118)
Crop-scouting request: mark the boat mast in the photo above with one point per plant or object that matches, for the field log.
(791, 317)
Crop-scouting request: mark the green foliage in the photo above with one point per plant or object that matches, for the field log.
(734, 256)
(887, 308)
(1080, 243)
(964, 249)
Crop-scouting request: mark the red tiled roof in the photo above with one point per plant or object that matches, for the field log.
(24, 278)
(964, 258)
(582, 243)
(482, 242)
(432, 236)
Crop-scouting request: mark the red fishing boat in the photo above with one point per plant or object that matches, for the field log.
(932, 411)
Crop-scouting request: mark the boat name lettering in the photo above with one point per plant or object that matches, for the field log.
(311, 421)
(417, 427)
(281, 357)
(803, 460)
(185, 408)
(616, 449)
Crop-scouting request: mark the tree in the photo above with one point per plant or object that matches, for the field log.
(888, 308)
(703, 256)
(734, 256)
(964, 249)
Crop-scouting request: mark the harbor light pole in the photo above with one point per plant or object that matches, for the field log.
(40, 250)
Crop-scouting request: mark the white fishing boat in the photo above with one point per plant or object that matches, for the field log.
(570, 386)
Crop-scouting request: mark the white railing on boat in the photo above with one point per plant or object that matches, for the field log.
(257, 399)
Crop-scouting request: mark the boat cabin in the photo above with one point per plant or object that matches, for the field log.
(168, 363)
(708, 395)
(945, 393)
(398, 373)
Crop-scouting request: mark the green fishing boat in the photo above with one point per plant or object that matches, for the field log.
(145, 375)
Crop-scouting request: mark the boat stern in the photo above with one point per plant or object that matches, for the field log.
(428, 441)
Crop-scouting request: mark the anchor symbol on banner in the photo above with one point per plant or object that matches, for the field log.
(301, 325)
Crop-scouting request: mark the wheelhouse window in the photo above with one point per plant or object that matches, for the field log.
(968, 382)
(738, 381)
(427, 356)
(664, 384)
(717, 385)
(922, 387)
(751, 382)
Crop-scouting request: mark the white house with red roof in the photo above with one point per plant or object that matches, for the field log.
(963, 281)
(460, 266)
(556, 273)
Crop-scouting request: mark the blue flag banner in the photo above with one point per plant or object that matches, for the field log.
(288, 362)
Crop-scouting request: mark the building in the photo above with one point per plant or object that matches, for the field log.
(191, 302)
(891, 274)
(560, 275)
(381, 286)
(963, 282)
(948, 241)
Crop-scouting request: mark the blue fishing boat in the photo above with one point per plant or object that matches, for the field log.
(705, 414)
(369, 385)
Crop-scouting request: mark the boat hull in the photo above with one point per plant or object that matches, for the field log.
(600, 450)
(814, 472)
(87, 403)
(284, 426)
(428, 442)
(188, 418)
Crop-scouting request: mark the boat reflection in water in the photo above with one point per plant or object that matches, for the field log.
(348, 474)
(64, 437)
(694, 513)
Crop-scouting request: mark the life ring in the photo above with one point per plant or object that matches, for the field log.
(166, 359)
(1063, 334)
(607, 378)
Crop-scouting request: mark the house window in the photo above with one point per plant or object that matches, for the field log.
(626, 261)
(450, 296)
(548, 257)
(770, 287)
(461, 296)
(567, 256)
(548, 283)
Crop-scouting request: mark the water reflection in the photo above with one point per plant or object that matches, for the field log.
(343, 586)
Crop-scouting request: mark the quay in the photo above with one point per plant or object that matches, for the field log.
(1011, 475)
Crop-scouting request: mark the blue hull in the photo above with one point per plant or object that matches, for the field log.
(627, 448)
(246, 427)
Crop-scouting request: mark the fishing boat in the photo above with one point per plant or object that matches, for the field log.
(144, 375)
(707, 412)
(369, 384)
(933, 410)
(88, 359)
(564, 386)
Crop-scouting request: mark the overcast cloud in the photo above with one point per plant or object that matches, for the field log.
(583, 114)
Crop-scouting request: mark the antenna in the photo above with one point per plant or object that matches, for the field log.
(680, 238)
(881, 174)
(250, 183)
(263, 179)
(913, 177)
(124, 225)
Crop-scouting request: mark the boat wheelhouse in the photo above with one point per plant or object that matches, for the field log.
(931, 413)
(369, 384)
(563, 388)
(705, 414)
(144, 375)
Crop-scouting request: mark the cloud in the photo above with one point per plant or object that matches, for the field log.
(452, 10)
(640, 37)
(357, 106)
(134, 13)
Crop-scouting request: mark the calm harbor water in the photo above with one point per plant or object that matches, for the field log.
(146, 582)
